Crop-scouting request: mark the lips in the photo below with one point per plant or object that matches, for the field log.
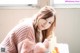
(42, 26)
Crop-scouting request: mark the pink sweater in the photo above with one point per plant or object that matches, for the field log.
(21, 39)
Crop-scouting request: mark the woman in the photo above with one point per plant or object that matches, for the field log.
(32, 36)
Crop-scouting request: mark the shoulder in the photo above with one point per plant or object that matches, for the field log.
(22, 31)
(23, 27)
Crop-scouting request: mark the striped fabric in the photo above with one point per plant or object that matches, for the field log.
(13, 42)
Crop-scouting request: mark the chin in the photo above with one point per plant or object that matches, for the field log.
(43, 29)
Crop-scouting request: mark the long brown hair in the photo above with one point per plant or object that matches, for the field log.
(48, 11)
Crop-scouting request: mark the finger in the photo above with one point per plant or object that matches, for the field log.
(46, 43)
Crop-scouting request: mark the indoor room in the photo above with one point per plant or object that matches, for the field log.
(67, 20)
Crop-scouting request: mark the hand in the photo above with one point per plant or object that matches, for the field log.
(26, 46)
(41, 47)
(46, 43)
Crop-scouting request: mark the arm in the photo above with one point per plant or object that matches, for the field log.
(41, 47)
(9, 43)
(30, 47)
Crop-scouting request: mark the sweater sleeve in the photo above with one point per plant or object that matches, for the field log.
(27, 39)
(31, 47)
(9, 44)
(16, 36)
(28, 45)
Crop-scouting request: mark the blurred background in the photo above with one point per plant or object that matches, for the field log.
(67, 26)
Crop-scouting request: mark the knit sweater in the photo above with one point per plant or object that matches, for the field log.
(21, 39)
(14, 40)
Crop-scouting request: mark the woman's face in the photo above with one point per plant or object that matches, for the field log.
(45, 23)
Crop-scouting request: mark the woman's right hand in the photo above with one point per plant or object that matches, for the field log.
(41, 47)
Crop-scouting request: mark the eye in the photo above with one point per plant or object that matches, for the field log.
(49, 22)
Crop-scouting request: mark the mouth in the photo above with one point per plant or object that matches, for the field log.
(42, 26)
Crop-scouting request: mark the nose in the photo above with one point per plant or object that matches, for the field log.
(45, 22)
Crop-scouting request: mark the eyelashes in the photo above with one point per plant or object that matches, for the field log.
(49, 22)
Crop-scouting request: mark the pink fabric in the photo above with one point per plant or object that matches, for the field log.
(16, 36)
(21, 39)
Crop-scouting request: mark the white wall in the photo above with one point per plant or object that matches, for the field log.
(68, 28)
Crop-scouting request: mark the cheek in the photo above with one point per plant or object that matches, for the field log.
(47, 26)
(40, 23)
